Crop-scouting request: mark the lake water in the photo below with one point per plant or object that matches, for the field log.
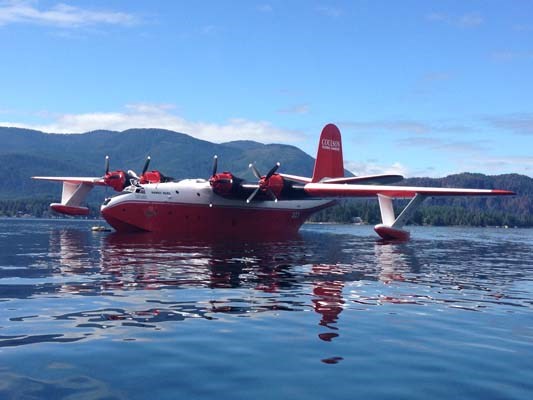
(334, 313)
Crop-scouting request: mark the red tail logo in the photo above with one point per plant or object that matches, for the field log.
(329, 162)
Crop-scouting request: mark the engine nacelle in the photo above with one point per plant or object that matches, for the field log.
(117, 180)
(151, 177)
(222, 183)
(274, 183)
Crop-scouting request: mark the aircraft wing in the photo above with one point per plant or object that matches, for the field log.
(399, 192)
(296, 178)
(71, 179)
(382, 179)
(366, 179)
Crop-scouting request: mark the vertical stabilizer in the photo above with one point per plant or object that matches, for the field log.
(329, 162)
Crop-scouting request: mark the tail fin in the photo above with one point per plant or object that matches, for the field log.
(329, 162)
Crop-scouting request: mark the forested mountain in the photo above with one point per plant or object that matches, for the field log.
(25, 153)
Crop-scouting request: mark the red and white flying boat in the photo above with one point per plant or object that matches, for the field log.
(277, 204)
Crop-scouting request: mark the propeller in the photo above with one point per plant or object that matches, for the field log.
(222, 182)
(215, 165)
(133, 174)
(272, 171)
(146, 164)
(115, 179)
(145, 168)
(263, 182)
(250, 198)
(255, 171)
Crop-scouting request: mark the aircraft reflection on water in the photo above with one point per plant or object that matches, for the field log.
(316, 264)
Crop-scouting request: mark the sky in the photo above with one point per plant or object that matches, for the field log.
(420, 88)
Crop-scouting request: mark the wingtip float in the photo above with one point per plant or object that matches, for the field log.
(224, 204)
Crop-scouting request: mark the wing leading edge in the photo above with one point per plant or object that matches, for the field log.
(351, 180)
(397, 192)
(72, 179)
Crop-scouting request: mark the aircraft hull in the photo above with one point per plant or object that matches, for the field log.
(191, 208)
(189, 219)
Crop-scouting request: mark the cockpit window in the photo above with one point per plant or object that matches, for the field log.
(133, 189)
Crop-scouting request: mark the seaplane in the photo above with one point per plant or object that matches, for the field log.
(226, 205)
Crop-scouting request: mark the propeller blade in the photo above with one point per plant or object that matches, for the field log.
(272, 195)
(215, 165)
(106, 165)
(251, 197)
(272, 171)
(133, 174)
(255, 171)
(146, 164)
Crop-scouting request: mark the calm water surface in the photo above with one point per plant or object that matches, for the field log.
(333, 313)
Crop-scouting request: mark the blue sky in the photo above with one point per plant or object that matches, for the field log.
(422, 88)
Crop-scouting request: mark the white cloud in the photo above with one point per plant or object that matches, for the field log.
(333, 12)
(60, 15)
(436, 76)
(208, 29)
(296, 109)
(405, 126)
(510, 55)
(448, 145)
(499, 165)
(388, 125)
(517, 123)
(469, 20)
(372, 168)
(163, 116)
(266, 8)
(523, 27)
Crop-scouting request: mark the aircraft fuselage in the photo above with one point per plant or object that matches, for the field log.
(191, 207)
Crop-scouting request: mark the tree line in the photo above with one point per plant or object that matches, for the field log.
(347, 211)
(37, 207)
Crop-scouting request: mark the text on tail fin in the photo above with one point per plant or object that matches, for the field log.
(329, 162)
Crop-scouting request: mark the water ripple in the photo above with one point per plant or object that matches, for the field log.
(333, 297)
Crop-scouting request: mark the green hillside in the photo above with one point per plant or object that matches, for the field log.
(26, 153)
